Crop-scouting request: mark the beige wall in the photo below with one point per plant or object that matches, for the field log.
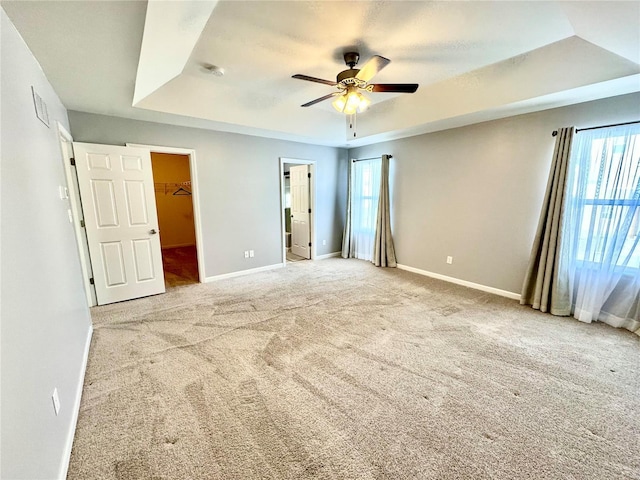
(475, 192)
(175, 212)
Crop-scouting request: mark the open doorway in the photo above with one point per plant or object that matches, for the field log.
(192, 177)
(297, 205)
(173, 191)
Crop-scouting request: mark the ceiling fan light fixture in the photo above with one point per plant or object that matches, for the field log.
(351, 102)
(349, 109)
(339, 103)
(364, 104)
(353, 99)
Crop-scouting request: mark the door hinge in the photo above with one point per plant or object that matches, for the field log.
(82, 223)
(309, 243)
(91, 281)
(309, 175)
(309, 210)
(72, 161)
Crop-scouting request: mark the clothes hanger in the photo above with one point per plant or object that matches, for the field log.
(182, 191)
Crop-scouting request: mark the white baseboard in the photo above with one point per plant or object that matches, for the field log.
(328, 255)
(66, 458)
(243, 272)
(464, 283)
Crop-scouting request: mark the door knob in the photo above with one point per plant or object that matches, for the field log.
(152, 231)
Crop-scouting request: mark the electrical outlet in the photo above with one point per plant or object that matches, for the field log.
(251, 253)
(449, 260)
(56, 401)
(324, 242)
(246, 254)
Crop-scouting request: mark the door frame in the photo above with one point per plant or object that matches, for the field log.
(195, 197)
(72, 193)
(312, 203)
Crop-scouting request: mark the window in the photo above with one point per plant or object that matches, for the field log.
(600, 244)
(365, 192)
(603, 197)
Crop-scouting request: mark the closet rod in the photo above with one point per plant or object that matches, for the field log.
(365, 159)
(555, 132)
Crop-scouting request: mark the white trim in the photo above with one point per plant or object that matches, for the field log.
(195, 196)
(162, 149)
(464, 283)
(328, 255)
(66, 457)
(66, 147)
(241, 273)
(312, 195)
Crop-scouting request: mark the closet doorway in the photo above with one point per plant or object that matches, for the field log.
(194, 254)
(197, 253)
(173, 189)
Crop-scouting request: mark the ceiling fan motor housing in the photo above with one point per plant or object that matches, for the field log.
(351, 73)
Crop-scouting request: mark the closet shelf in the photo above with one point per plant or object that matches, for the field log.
(173, 188)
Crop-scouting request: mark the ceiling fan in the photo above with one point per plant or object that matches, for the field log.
(348, 99)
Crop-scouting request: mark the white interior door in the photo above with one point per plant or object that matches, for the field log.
(118, 200)
(300, 212)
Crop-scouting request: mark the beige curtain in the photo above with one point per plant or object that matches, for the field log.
(545, 288)
(384, 254)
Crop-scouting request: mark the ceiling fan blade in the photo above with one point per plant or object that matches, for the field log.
(314, 79)
(395, 87)
(321, 99)
(373, 66)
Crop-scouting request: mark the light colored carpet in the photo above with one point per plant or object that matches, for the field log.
(337, 369)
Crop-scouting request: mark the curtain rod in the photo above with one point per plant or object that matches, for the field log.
(555, 132)
(365, 159)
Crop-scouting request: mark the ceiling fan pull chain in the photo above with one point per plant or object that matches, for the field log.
(353, 123)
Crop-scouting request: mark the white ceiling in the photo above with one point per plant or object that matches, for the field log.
(474, 61)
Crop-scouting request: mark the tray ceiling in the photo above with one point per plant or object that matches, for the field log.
(474, 61)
